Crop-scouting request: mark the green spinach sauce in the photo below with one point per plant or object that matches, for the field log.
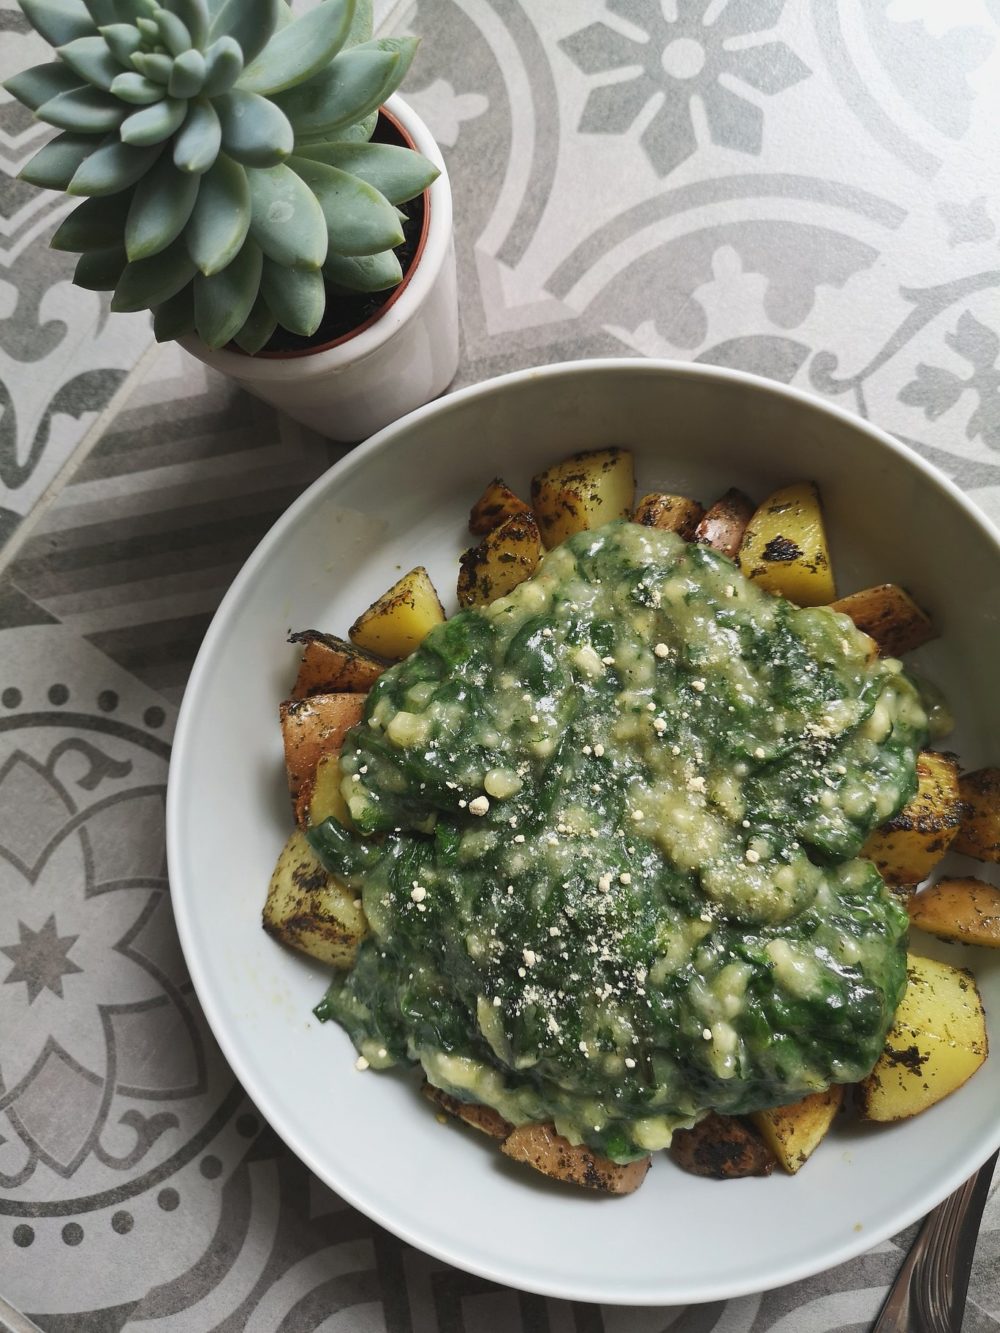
(607, 831)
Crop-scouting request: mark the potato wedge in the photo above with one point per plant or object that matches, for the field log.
(979, 831)
(722, 1147)
(483, 1118)
(724, 523)
(497, 503)
(548, 1152)
(794, 1132)
(330, 664)
(936, 1043)
(310, 910)
(314, 727)
(784, 548)
(583, 491)
(675, 513)
(504, 558)
(890, 616)
(965, 911)
(320, 796)
(910, 845)
(399, 620)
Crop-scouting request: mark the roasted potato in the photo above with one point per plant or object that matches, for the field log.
(504, 558)
(401, 618)
(890, 616)
(497, 503)
(965, 911)
(311, 910)
(320, 796)
(314, 727)
(330, 664)
(724, 523)
(723, 1147)
(548, 1152)
(794, 1132)
(785, 550)
(910, 845)
(979, 830)
(483, 1118)
(937, 1042)
(675, 513)
(583, 491)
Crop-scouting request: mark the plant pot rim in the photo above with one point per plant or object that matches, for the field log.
(364, 341)
(400, 287)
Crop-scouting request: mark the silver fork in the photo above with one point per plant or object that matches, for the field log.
(928, 1295)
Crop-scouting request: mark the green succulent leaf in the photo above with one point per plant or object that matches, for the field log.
(91, 59)
(149, 29)
(250, 22)
(301, 49)
(173, 30)
(220, 222)
(136, 89)
(359, 220)
(155, 65)
(287, 221)
(348, 89)
(100, 270)
(295, 296)
(86, 110)
(258, 329)
(57, 162)
(112, 167)
(104, 12)
(360, 132)
(149, 282)
(154, 123)
(175, 318)
(123, 40)
(223, 66)
(195, 17)
(188, 75)
(397, 173)
(161, 206)
(363, 23)
(94, 224)
(58, 21)
(38, 85)
(197, 143)
(222, 303)
(364, 273)
(254, 130)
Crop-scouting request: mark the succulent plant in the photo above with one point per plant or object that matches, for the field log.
(222, 149)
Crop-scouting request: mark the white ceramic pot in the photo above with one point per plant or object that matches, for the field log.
(402, 359)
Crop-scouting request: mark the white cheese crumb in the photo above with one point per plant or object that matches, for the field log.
(553, 930)
(707, 1033)
(604, 884)
(661, 650)
(361, 1063)
(608, 661)
(553, 1025)
(598, 751)
(582, 1046)
(625, 878)
(696, 784)
(382, 1052)
(418, 893)
(659, 725)
(479, 806)
(421, 907)
(530, 957)
(519, 837)
(587, 750)
(752, 856)
(698, 685)
(496, 1001)
(521, 972)
(463, 804)
(451, 785)
(760, 752)
(730, 590)
(638, 816)
(629, 1062)
(546, 633)
(675, 749)
(533, 717)
(651, 707)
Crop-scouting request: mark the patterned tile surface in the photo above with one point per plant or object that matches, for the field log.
(807, 190)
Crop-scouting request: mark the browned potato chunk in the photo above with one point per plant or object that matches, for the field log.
(890, 616)
(675, 513)
(979, 831)
(483, 1118)
(548, 1152)
(910, 845)
(399, 620)
(497, 503)
(330, 664)
(936, 1043)
(310, 910)
(784, 547)
(320, 796)
(965, 911)
(583, 491)
(723, 1147)
(314, 727)
(504, 558)
(794, 1132)
(725, 522)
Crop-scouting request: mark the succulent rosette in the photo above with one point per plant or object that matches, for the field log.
(221, 149)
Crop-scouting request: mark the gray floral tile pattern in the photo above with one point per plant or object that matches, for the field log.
(805, 190)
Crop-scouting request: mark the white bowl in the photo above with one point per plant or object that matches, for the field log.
(403, 499)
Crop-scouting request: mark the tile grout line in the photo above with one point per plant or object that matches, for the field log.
(79, 454)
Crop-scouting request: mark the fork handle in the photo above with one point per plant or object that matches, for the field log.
(928, 1295)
